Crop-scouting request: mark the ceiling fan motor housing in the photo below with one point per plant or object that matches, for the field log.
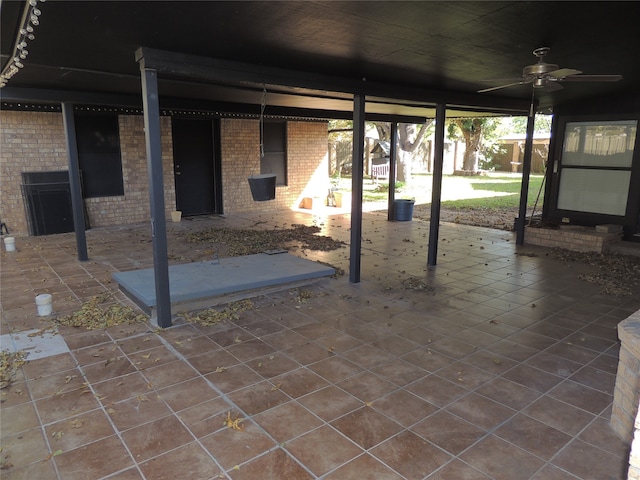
(538, 73)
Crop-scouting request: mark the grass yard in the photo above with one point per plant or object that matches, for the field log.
(495, 192)
(491, 191)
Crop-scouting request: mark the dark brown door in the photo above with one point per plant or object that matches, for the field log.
(194, 162)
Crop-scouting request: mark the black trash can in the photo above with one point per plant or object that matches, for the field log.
(403, 210)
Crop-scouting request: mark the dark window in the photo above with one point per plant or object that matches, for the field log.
(275, 150)
(99, 155)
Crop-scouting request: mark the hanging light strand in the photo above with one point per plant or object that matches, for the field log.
(30, 20)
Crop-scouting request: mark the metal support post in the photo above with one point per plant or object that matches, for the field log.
(77, 204)
(357, 180)
(436, 189)
(156, 195)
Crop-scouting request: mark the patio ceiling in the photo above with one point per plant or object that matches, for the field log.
(405, 56)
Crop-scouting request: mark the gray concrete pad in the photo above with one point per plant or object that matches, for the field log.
(197, 284)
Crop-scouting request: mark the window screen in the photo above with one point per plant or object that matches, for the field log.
(98, 142)
(275, 150)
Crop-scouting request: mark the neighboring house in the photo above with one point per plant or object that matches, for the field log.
(206, 162)
(511, 155)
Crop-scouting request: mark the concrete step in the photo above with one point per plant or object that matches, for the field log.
(198, 285)
(625, 248)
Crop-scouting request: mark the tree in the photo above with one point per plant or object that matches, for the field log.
(408, 142)
(473, 131)
(340, 135)
(519, 124)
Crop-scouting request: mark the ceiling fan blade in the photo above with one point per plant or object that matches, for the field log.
(502, 80)
(491, 89)
(593, 78)
(563, 72)
(552, 86)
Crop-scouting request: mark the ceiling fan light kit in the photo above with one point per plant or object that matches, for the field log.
(548, 75)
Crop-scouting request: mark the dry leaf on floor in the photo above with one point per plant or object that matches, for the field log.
(76, 423)
(97, 314)
(234, 423)
(9, 365)
(212, 316)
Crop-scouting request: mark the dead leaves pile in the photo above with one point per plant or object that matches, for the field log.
(211, 316)
(97, 314)
(498, 218)
(244, 241)
(414, 283)
(302, 295)
(9, 365)
(616, 274)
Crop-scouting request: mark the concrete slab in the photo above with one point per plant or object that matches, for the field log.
(36, 343)
(202, 284)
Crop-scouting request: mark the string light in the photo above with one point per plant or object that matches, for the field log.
(31, 19)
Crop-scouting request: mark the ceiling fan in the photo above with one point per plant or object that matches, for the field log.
(548, 75)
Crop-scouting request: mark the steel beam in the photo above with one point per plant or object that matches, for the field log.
(436, 189)
(357, 173)
(393, 149)
(180, 65)
(526, 172)
(77, 204)
(156, 194)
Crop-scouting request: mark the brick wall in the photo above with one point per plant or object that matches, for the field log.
(35, 141)
(133, 206)
(307, 160)
(571, 237)
(29, 142)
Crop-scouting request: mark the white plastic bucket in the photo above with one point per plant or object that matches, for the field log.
(176, 215)
(10, 244)
(44, 302)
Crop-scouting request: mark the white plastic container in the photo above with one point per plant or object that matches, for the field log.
(10, 244)
(176, 215)
(44, 302)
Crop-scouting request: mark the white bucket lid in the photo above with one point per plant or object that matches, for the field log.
(44, 299)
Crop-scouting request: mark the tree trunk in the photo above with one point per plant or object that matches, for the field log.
(406, 146)
(472, 134)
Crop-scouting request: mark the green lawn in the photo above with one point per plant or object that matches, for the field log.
(507, 193)
(492, 191)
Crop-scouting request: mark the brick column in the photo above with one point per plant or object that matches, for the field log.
(627, 390)
(634, 458)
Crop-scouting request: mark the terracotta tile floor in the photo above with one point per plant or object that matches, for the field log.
(502, 368)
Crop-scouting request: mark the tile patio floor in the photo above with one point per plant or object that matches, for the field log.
(502, 369)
